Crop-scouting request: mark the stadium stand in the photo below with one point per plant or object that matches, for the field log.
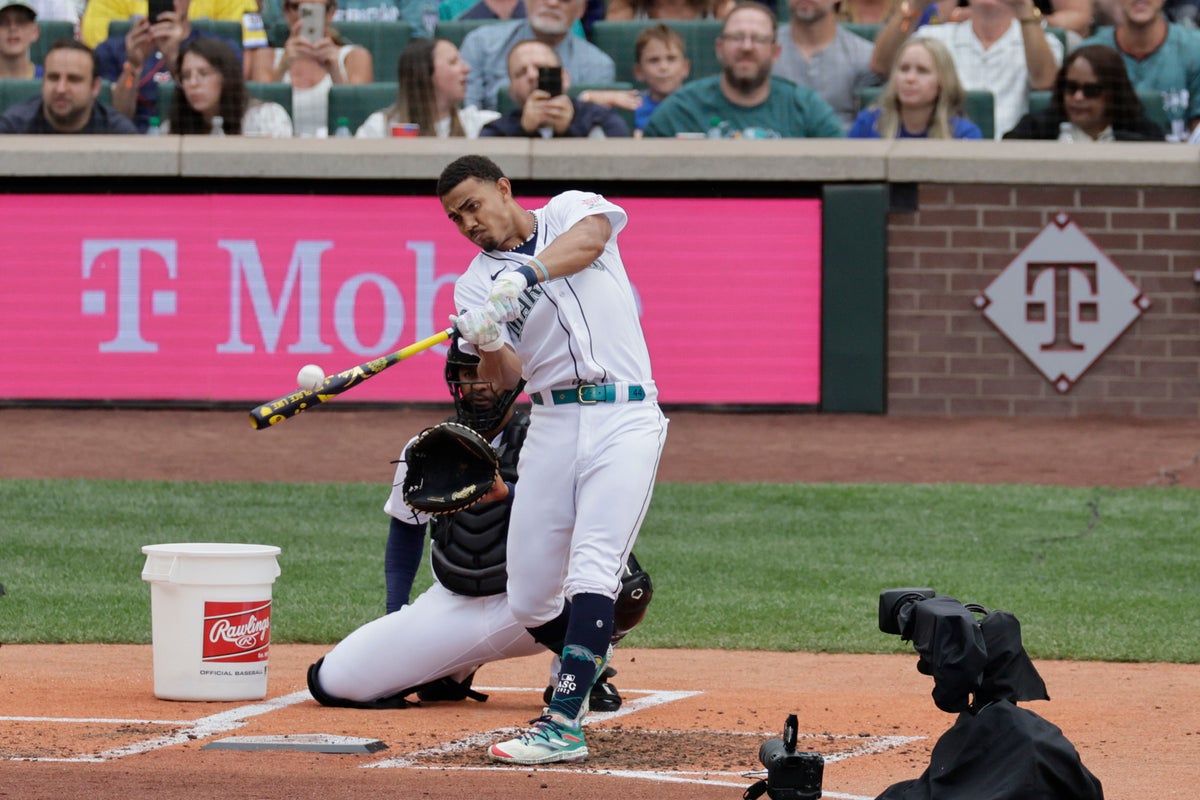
(356, 102)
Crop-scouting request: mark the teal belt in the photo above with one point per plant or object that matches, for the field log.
(586, 394)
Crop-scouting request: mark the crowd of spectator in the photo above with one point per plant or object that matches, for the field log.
(1069, 70)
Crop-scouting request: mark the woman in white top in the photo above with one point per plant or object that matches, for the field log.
(311, 67)
(433, 81)
(211, 86)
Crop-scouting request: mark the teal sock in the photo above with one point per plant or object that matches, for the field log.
(589, 633)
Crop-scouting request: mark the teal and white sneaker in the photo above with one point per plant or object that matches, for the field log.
(552, 739)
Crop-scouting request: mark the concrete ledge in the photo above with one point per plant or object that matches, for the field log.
(335, 159)
(581, 160)
(1044, 163)
(704, 160)
(89, 155)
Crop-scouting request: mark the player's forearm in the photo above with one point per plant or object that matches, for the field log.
(500, 367)
(577, 248)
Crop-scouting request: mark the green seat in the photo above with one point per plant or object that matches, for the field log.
(268, 92)
(385, 40)
(18, 90)
(867, 30)
(357, 101)
(1040, 100)
(456, 30)
(230, 29)
(980, 107)
(699, 40)
(280, 93)
(49, 32)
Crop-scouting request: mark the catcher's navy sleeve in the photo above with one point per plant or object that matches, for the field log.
(405, 545)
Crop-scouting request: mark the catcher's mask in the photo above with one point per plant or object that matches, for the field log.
(477, 403)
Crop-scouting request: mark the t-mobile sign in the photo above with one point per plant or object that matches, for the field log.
(225, 297)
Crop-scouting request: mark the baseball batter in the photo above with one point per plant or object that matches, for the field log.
(548, 301)
(433, 647)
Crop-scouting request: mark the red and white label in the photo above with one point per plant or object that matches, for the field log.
(237, 631)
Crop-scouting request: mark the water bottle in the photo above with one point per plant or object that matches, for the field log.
(154, 128)
(218, 126)
(719, 129)
(343, 128)
(1064, 132)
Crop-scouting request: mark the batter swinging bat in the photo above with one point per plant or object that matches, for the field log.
(288, 406)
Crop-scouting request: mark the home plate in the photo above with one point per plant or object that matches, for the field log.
(310, 742)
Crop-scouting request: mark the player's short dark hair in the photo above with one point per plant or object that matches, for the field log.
(460, 169)
(71, 43)
(755, 5)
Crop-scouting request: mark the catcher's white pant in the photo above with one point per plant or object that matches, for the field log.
(586, 475)
(441, 634)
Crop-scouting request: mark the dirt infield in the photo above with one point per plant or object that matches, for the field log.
(82, 720)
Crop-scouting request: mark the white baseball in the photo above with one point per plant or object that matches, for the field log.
(310, 377)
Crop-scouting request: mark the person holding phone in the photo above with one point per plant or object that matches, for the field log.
(98, 14)
(136, 63)
(537, 84)
(313, 59)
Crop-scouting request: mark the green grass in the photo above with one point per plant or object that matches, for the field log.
(1093, 574)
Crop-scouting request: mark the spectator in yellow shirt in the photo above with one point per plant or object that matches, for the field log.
(99, 13)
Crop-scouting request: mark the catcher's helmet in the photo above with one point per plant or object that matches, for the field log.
(633, 600)
(480, 407)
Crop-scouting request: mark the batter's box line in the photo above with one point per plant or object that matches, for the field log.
(651, 699)
(202, 728)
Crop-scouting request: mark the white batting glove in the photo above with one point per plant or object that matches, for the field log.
(479, 328)
(504, 301)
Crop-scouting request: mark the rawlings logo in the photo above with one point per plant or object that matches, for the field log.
(237, 631)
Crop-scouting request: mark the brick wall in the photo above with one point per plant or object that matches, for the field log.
(945, 358)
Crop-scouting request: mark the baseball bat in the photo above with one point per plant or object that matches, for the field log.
(288, 406)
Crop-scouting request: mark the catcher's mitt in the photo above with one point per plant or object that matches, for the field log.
(449, 467)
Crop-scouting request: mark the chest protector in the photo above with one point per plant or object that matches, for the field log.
(467, 549)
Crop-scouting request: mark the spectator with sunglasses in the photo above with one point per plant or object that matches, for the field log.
(1093, 102)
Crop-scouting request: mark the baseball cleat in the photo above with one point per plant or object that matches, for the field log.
(551, 739)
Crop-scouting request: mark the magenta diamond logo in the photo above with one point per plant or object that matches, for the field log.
(1062, 302)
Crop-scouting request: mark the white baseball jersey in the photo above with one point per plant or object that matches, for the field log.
(558, 340)
(587, 471)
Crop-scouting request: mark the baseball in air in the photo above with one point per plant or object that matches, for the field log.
(310, 377)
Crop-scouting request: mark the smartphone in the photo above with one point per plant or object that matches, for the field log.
(157, 7)
(312, 21)
(550, 80)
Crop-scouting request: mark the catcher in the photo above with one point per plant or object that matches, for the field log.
(462, 474)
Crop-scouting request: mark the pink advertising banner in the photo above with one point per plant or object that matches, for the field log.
(224, 297)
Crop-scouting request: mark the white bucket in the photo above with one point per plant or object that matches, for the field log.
(210, 608)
